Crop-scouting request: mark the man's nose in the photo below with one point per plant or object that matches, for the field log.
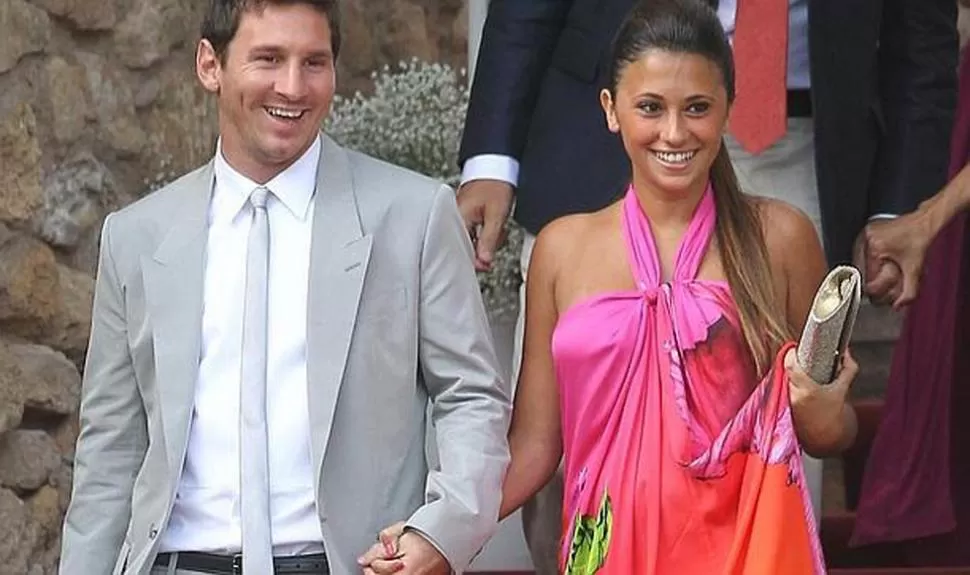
(291, 83)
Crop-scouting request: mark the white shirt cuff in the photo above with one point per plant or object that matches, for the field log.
(491, 167)
(883, 217)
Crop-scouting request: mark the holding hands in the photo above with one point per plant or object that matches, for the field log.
(901, 243)
(402, 552)
(894, 251)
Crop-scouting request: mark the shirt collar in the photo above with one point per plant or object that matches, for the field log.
(294, 186)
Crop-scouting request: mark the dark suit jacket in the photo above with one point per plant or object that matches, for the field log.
(883, 90)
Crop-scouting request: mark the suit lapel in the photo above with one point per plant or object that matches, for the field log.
(339, 256)
(173, 279)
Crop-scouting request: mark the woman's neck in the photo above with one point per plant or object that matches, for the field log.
(668, 208)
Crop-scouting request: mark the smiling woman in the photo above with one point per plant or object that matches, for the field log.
(273, 69)
(670, 110)
(670, 107)
(655, 344)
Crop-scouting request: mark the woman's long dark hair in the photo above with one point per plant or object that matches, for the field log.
(692, 27)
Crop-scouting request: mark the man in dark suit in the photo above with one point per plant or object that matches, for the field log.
(871, 92)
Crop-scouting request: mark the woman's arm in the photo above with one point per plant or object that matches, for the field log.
(535, 437)
(824, 421)
(950, 201)
(905, 240)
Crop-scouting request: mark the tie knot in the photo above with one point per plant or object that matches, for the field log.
(258, 198)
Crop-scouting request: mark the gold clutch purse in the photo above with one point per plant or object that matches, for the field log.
(831, 319)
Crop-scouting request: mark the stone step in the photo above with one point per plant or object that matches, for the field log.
(873, 339)
(876, 324)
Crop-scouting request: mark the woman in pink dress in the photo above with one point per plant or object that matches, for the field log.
(656, 340)
(655, 336)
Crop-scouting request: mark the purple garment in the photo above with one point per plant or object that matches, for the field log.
(916, 487)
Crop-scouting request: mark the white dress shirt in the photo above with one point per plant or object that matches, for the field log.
(506, 168)
(206, 514)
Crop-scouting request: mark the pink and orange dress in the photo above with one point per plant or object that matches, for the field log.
(678, 459)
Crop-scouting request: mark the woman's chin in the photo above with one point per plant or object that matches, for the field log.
(679, 184)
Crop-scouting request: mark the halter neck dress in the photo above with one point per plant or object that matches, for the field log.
(678, 459)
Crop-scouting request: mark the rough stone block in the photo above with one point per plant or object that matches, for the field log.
(21, 193)
(28, 457)
(84, 14)
(72, 199)
(30, 295)
(26, 30)
(70, 104)
(53, 382)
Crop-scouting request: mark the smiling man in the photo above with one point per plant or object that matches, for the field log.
(267, 333)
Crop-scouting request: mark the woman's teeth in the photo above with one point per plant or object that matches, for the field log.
(675, 157)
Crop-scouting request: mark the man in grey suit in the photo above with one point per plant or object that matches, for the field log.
(267, 333)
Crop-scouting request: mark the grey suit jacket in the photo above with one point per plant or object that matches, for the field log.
(395, 319)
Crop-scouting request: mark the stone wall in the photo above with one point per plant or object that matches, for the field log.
(98, 104)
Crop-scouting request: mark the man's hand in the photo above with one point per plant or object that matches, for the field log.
(902, 241)
(882, 276)
(402, 552)
(485, 206)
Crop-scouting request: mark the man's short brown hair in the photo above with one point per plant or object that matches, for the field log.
(222, 20)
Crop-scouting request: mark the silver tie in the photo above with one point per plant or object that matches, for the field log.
(257, 546)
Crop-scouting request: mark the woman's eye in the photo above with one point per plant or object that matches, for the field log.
(698, 108)
(649, 107)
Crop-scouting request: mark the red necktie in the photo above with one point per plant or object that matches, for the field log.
(758, 116)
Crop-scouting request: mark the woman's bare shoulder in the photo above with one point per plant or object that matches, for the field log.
(564, 236)
(796, 257)
(788, 231)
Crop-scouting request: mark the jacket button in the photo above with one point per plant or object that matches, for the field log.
(152, 532)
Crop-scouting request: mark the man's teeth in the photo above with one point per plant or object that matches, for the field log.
(281, 113)
(675, 157)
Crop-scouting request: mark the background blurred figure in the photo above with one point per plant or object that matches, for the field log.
(857, 131)
(916, 488)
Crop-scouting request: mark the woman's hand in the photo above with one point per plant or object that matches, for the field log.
(824, 422)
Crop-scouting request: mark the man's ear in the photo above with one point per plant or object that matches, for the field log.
(609, 108)
(208, 67)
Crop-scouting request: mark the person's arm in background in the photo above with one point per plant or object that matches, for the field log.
(517, 45)
(918, 50)
(906, 239)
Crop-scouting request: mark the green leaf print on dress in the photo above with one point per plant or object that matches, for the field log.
(591, 540)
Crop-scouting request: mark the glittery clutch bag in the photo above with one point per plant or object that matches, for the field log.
(830, 322)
